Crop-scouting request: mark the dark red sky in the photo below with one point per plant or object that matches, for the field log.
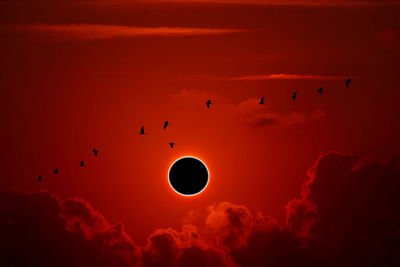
(77, 75)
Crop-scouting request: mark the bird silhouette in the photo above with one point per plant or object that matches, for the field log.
(82, 164)
(320, 90)
(56, 171)
(348, 81)
(208, 103)
(172, 145)
(261, 101)
(39, 178)
(165, 125)
(95, 152)
(142, 131)
(294, 95)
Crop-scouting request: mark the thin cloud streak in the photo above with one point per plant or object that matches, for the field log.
(318, 3)
(284, 76)
(97, 31)
(311, 3)
(314, 3)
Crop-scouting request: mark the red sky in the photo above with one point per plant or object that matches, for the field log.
(78, 75)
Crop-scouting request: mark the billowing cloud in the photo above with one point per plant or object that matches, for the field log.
(229, 224)
(38, 229)
(97, 31)
(349, 212)
(186, 248)
(347, 215)
(285, 76)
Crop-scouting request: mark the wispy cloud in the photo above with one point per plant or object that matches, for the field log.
(248, 112)
(317, 3)
(285, 76)
(320, 3)
(96, 31)
(254, 115)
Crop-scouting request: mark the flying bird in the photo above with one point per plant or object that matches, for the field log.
(165, 125)
(348, 81)
(82, 164)
(261, 101)
(294, 95)
(39, 178)
(208, 103)
(172, 145)
(320, 90)
(95, 152)
(56, 171)
(142, 131)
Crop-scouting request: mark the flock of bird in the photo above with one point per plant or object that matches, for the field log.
(81, 164)
(208, 104)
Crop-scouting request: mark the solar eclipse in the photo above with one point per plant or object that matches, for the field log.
(188, 176)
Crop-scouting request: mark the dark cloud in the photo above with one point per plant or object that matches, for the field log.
(348, 215)
(228, 225)
(270, 245)
(264, 119)
(162, 250)
(37, 229)
(195, 256)
(261, 120)
(254, 115)
(187, 248)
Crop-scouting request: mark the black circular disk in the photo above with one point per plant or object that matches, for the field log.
(188, 176)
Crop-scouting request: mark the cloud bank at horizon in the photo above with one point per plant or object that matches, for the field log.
(347, 214)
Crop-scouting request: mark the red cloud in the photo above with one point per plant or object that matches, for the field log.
(332, 3)
(348, 215)
(349, 212)
(322, 3)
(171, 248)
(287, 76)
(38, 229)
(254, 115)
(83, 32)
(228, 224)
